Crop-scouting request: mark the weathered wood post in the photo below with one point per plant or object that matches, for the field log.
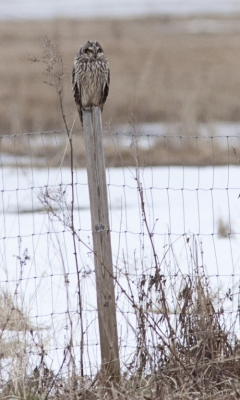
(92, 125)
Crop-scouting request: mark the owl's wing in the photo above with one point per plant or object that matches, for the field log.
(76, 88)
(106, 88)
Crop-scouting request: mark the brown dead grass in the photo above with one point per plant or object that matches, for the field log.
(160, 71)
(52, 149)
(191, 356)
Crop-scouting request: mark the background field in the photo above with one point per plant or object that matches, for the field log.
(162, 69)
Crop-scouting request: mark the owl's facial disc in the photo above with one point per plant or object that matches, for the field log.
(99, 52)
(90, 51)
(94, 51)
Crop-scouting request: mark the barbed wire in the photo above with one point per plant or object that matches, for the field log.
(31, 134)
(131, 133)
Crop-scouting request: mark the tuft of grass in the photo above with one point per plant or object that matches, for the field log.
(223, 228)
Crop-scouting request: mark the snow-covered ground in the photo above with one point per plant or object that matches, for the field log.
(179, 201)
(112, 8)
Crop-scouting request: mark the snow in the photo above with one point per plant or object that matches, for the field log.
(181, 203)
(112, 8)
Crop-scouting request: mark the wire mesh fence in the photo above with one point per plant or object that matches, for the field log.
(174, 216)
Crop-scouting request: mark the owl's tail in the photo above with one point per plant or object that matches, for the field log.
(80, 114)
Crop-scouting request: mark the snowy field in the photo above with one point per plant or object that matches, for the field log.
(183, 205)
(112, 8)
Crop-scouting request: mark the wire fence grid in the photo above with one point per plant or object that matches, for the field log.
(170, 197)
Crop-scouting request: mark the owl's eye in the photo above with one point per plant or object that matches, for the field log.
(99, 51)
(89, 51)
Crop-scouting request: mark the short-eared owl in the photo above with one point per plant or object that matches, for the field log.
(90, 77)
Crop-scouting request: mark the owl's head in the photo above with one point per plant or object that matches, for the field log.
(92, 49)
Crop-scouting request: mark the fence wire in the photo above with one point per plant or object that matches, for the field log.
(173, 204)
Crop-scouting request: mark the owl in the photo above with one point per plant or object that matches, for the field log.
(90, 77)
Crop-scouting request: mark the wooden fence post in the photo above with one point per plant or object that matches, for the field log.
(92, 125)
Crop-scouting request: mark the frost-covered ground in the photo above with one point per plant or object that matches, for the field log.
(179, 201)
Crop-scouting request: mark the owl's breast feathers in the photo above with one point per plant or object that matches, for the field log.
(90, 82)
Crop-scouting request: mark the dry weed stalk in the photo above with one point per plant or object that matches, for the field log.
(182, 340)
(21, 346)
(54, 69)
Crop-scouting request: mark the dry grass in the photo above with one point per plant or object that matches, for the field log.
(160, 70)
(53, 149)
(184, 349)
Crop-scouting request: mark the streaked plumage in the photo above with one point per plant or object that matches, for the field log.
(90, 77)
